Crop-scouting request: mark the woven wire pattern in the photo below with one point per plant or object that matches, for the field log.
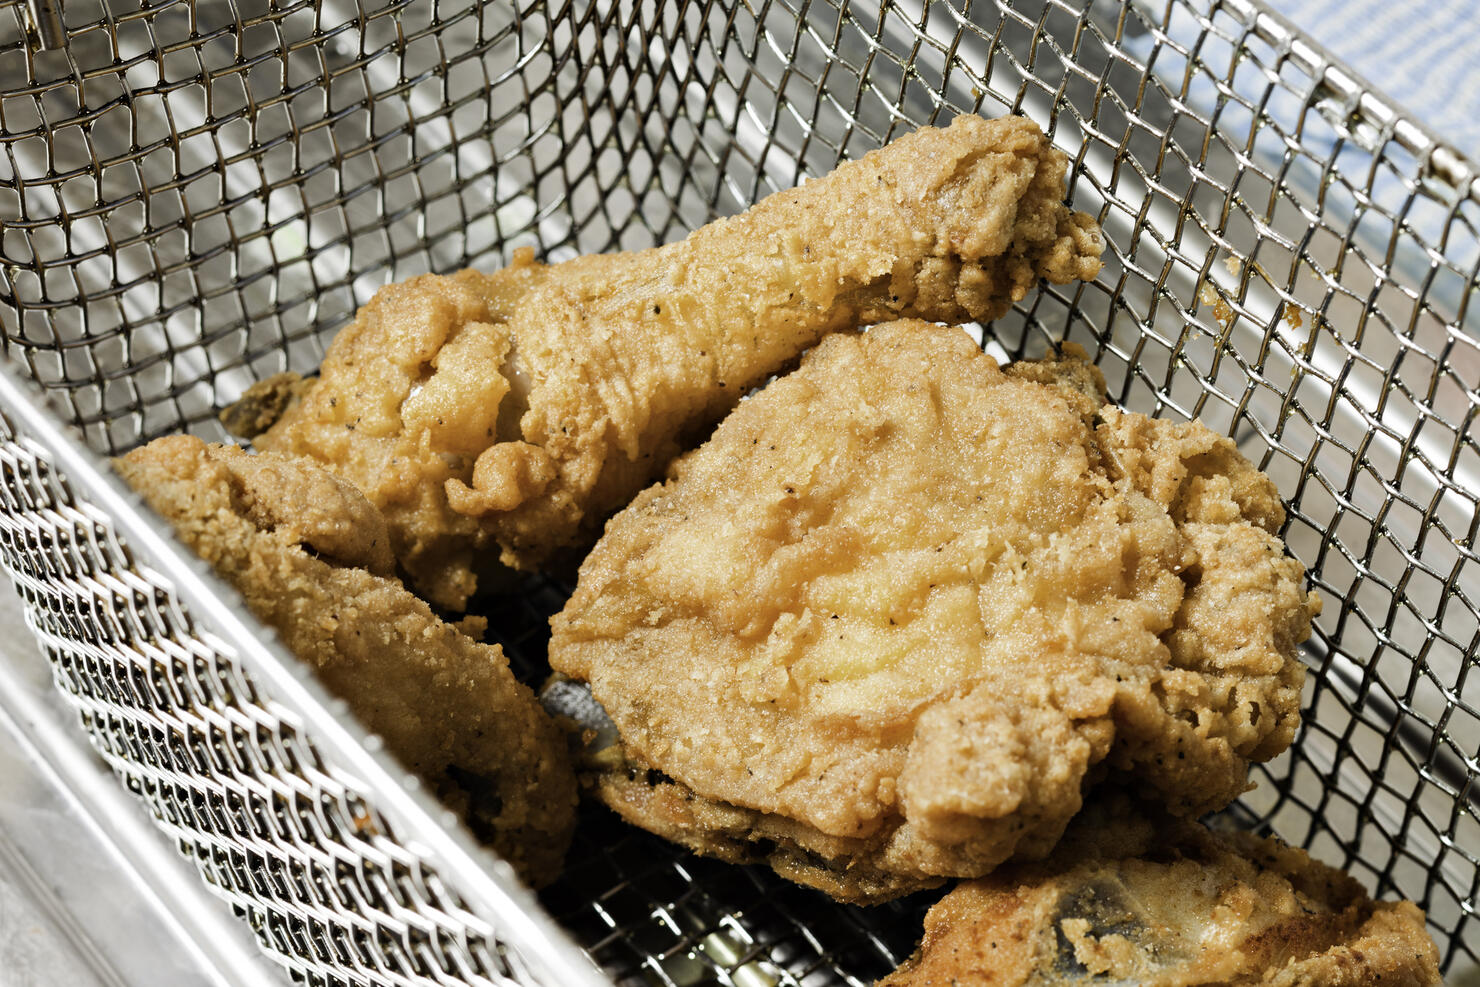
(195, 196)
(286, 841)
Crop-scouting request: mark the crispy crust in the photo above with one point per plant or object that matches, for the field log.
(1161, 902)
(311, 557)
(911, 607)
(407, 398)
(846, 869)
(509, 414)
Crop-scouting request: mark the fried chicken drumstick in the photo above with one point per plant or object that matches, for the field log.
(903, 609)
(507, 415)
(1158, 902)
(312, 558)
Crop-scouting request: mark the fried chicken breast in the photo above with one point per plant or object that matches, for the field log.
(312, 558)
(1166, 903)
(507, 415)
(904, 608)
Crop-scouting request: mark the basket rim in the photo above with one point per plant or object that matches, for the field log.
(1439, 157)
(485, 883)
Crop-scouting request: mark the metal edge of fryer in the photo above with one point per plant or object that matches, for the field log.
(88, 813)
(486, 883)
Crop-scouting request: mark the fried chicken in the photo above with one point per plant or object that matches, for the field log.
(312, 558)
(1166, 903)
(507, 415)
(903, 609)
(407, 401)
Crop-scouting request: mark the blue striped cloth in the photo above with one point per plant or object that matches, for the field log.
(1415, 52)
(1421, 53)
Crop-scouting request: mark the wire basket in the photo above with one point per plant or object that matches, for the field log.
(196, 195)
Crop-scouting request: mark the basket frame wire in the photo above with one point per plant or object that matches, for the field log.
(493, 898)
(753, 160)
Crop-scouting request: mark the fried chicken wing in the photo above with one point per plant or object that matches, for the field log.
(312, 558)
(1167, 903)
(904, 608)
(507, 415)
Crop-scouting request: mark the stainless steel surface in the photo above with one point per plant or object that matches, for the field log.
(91, 894)
(197, 195)
(276, 824)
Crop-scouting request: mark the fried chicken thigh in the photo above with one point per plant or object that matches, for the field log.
(1166, 903)
(312, 558)
(507, 415)
(904, 608)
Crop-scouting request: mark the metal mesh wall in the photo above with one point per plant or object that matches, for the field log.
(194, 196)
(289, 840)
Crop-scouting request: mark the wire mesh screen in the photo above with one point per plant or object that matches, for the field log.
(283, 836)
(195, 196)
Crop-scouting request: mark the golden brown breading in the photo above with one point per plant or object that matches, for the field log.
(311, 556)
(1166, 903)
(511, 413)
(903, 608)
(406, 400)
